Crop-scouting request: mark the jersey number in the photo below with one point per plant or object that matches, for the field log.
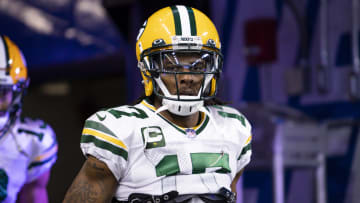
(169, 165)
(138, 113)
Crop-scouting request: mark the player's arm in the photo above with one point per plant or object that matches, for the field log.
(35, 191)
(94, 183)
(235, 180)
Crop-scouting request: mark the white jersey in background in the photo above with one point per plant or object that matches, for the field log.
(148, 154)
(27, 150)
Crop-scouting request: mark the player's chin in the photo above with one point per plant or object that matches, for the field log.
(187, 94)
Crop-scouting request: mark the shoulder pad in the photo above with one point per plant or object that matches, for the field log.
(228, 112)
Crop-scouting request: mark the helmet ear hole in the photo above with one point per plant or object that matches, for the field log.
(211, 43)
(158, 43)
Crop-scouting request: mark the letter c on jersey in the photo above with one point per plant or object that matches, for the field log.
(153, 137)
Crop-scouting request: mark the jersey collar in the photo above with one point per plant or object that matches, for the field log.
(198, 129)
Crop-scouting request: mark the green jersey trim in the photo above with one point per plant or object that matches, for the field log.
(39, 163)
(98, 126)
(198, 129)
(104, 145)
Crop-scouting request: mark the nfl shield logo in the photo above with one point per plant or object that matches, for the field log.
(190, 133)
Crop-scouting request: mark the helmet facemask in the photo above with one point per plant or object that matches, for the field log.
(12, 110)
(6, 97)
(202, 64)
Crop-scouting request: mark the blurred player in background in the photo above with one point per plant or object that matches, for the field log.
(28, 147)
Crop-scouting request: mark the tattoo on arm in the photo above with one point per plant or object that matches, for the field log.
(94, 183)
(82, 191)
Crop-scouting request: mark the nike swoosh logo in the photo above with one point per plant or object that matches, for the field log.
(101, 118)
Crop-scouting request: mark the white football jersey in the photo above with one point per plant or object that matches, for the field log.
(149, 154)
(27, 150)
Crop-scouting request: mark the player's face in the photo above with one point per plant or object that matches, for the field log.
(6, 95)
(187, 83)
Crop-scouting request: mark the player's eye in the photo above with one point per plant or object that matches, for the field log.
(172, 67)
(198, 67)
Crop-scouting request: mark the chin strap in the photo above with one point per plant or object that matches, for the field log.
(162, 108)
(180, 108)
(182, 105)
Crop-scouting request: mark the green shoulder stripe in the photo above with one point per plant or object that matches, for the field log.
(245, 149)
(30, 132)
(98, 126)
(104, 145)
(218, 107)
(232, 115)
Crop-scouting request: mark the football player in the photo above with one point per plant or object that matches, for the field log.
(28, 147)
(178, 143)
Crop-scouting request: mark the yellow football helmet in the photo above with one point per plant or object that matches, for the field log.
(169, 33)
(13, 78)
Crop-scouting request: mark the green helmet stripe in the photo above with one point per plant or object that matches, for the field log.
(192, 21)
(177, 20)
